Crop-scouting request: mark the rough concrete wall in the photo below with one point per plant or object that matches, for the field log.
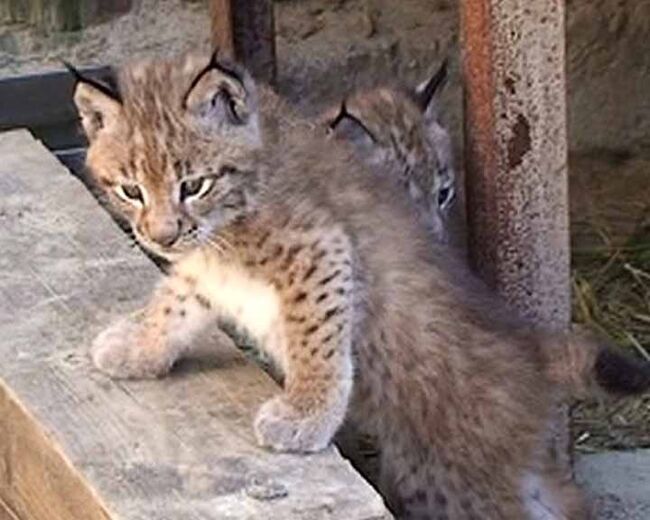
(325, 47)
(608, 60)
(609, 74)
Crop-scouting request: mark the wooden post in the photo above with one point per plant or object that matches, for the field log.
(516, 154)
(12, 11)
(245, 31)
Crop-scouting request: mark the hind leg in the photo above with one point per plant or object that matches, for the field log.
(413, 486)
(438, 485)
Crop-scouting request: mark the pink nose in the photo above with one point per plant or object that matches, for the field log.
(164, 232)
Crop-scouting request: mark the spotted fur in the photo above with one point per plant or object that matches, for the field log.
(329, 271)
(398, 133)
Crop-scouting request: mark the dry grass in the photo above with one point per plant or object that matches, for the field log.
(611, 293)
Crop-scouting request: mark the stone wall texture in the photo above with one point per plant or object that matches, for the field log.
(326, 47)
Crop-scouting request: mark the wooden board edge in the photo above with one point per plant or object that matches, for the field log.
(37, 481)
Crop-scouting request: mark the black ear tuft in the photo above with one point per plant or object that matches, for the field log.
(426, 93)
(72, 70)
(343, 112)
(345, 115)
(106, 87)
(221, 95)
(225, 67)
(214, 64)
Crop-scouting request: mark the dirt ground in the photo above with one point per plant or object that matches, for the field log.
(327, 47)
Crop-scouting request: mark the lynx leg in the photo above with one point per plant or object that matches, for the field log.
(148, 342)
(317, 318)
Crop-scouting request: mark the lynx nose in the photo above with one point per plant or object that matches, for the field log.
(164, 232)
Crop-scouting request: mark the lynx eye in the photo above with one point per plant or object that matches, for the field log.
(196, 188)
(130, 193)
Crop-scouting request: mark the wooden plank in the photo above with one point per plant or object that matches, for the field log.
(43, 103)
(246, 31)
(74, 444)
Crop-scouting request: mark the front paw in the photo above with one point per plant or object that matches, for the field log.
(280, 426)
(123, 351)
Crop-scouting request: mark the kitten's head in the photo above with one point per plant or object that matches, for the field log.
(173, 145)
(399, 130)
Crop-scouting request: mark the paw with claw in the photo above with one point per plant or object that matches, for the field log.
(281, 427)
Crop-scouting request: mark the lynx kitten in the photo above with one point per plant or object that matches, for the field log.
(327, 268)
(397, 131)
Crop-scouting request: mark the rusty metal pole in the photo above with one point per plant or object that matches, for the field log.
(516, 154)
(246, 31)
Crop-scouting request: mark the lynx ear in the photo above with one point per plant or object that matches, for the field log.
(222, 96)
(99, 105)
(348, 127)
(427, 91)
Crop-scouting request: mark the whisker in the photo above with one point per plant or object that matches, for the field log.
(214, 245)
(223, 241)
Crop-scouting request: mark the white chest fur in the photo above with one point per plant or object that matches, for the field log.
(251, 303)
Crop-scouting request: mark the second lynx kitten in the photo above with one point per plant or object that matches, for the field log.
(397, 132)
(326, 267)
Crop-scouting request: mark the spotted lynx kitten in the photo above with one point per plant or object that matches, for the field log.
(329, 271)
(398, 131)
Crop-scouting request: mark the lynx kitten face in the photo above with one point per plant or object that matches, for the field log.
(150, 148)
(398, 132)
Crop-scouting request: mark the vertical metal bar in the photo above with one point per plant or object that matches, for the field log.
(516, 152)
(245, 31)
(516, 155)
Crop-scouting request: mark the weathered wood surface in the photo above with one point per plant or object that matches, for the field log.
(76, 445)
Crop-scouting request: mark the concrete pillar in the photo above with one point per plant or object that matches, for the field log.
(513, 54)
(246, 31)
(516, 152)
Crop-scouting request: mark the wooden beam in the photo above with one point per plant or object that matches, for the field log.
(43, 103)
(76, 445)
(245, 31)
(516, 155)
